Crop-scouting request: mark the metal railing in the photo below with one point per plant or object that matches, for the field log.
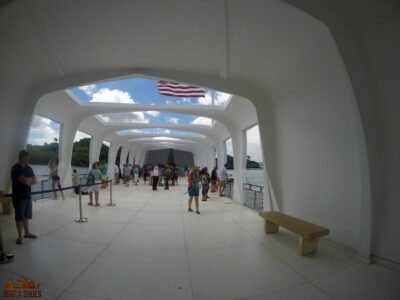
(253, 196)
(43, 185)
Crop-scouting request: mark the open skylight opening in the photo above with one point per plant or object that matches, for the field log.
(143, 91)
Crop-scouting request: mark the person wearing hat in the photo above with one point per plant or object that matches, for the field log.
(193, 188)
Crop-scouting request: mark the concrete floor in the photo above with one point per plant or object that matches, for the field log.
(150, 247)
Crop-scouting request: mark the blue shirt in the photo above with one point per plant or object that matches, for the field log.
(223, 174)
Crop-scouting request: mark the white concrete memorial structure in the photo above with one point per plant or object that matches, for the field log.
(318, 77)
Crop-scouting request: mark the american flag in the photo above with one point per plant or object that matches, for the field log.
(179, 90)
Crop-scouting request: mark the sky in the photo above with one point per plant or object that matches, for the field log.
(142, 91)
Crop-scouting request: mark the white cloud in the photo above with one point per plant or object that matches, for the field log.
(80, 135)
(202, 121)
(88, 89)
(169, 102)
(42, 132)
(153, 113)
(112, 96)
(133, 117)
(220, 98)
(118, 96)
(172, 120)
(186, 100)
(254, 144)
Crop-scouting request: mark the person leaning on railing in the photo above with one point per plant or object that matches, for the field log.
(55, 179)
(22, 178)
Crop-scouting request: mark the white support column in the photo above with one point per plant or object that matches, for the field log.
(220, 154)
(131, 157)
(67, 136)
(124, 154)
(112, 155)
(238, 145)
(94, 151)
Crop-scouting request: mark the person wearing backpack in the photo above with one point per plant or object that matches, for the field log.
(94, 180)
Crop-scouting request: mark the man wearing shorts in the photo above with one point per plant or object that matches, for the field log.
(22, 178)
(223, 177)
(193, 188)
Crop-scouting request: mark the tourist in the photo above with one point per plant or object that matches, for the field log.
(104, 171)
(94, 179)
(76, 180)
(223, 177)
(116, 173)
(155, 176)
(22, 178)
(204, 183)
(208, 182)
(145, 174)
(136, 174)
(193, 188)
(214, 176)
(126, 171)
(167, 174)
(55, 179)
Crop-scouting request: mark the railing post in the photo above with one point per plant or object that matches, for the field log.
(111, 203)
(80, 219)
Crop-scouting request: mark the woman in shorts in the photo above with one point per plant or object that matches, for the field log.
(94, 179)
(55, 179)
(193, 188)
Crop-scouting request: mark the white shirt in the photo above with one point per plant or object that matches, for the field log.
(116, 170)
(155, 172)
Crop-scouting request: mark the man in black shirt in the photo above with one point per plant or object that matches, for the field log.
(22, 178)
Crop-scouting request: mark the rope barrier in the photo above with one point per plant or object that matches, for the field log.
(57, 190)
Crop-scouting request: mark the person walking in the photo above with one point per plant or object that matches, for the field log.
(193, 188)
(204, 183)
(55, 179)
(94, 179)
(22, 178)
(155, 176)
(104, 172)
(167, 174)
(126, 172)
(214, 176)
(76, 180)
(136, 174)
(223, 177)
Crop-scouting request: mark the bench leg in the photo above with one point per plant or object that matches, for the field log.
(308, 246)
(271, 227)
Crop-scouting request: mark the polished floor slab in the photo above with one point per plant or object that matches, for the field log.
(149, 246)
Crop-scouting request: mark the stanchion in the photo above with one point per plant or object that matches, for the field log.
(80, 219)
(5, 258)
(111, 203)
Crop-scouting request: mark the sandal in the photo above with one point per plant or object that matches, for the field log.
(90, 203)
(97, 205)
(18, 241)
(30, 236)
(197, 212)
(189, 209)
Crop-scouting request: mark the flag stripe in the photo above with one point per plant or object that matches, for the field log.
(179, 90)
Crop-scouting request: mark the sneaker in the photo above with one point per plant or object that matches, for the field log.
(197, 212)
(189, 209)
(90, 203)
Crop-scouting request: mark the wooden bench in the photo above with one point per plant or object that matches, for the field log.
(7, 204)
(308, 232)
